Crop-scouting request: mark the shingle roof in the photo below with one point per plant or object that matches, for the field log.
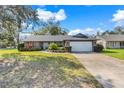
(54, 38)
(113, 37)
(80, 35)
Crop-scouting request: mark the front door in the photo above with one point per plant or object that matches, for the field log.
(41, 45)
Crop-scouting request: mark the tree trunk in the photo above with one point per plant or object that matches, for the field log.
(17, 37)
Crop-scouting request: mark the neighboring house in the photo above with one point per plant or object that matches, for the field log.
(111, 41)
(76, 44)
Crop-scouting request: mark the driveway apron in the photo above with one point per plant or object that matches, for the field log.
(107, 70)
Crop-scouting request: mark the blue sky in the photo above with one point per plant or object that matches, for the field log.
(84, 19)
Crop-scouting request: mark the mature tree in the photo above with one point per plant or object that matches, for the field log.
(40, 31)
(116, 30)
(64, 31)
(52, 27)
(12, 19)
(119, 30)
(106, 32)
(6, 39)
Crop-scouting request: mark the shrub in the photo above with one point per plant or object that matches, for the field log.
(98, 48)
(60, 45)
(68, 49)
(35, 49)
(61, 48)
(31, 49)
(53, 46)
(20, 46)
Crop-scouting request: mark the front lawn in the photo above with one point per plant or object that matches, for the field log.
(37, 69)
(117, 53)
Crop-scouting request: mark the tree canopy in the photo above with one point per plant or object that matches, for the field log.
(13, 18)
(116, 30)
(51, 27)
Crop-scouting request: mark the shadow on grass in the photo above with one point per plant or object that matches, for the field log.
(108, 51)
(57, 71)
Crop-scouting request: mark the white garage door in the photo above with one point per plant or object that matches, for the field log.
(81, 46)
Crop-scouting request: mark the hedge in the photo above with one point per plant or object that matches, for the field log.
(98, 48)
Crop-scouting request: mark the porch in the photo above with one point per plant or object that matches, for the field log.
(115, 44)
(41, 45)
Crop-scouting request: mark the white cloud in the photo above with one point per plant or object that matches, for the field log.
(45, 15)
(73, 32)
(60, 15)
(89, 31)
(118, 17)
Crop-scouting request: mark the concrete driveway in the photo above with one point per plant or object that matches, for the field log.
(107, 70)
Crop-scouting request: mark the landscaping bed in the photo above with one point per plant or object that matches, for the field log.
(58, 51)
(36, 69)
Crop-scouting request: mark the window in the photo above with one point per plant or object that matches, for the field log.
(122, 44)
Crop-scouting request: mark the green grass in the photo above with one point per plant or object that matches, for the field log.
(116, 53)
(63, 69)
(33, 53)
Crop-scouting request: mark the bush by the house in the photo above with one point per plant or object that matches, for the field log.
(60, 45)
(53, 46)
(61, 48)
(35, 49)
(98, 48)
(68, 49)
(20, 46)
(30, 49)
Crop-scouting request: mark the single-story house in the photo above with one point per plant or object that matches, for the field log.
(76, 44)
(111, 41)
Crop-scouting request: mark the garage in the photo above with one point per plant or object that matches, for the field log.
(81, 46)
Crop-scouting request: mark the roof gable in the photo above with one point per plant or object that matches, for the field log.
(80, 35)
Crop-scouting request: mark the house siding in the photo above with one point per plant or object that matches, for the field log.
(38, 44)
(32, 43)
(111, 41)
(113, 44)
